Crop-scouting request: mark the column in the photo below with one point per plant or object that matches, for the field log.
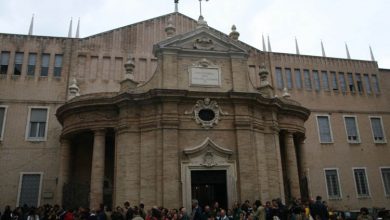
(64, 171)
(276, 135)
(302, 163)
(97, 171)
(292, 166)
(302, 155)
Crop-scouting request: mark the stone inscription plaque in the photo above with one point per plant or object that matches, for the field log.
(205, 76)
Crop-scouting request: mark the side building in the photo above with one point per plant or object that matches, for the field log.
(80, 121)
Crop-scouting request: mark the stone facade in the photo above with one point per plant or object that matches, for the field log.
(193, 101)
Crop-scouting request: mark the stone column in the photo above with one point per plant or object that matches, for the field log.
(302, 163)
(302, 155)
(292, 166)
(64, 171)
(97, 170)
(276, 134)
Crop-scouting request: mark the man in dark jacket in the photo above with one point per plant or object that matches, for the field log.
(318, 210)
(196, 211)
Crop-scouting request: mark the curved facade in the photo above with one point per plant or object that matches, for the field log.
(178, 125)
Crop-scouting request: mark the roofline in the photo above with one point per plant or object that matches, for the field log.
(317, 56)
(172, 13)
(35, 36)
(136, 23)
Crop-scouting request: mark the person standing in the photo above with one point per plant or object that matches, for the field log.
(259, 211)
(196, 210)
(364, 214)
(7, 213)
(318, 210)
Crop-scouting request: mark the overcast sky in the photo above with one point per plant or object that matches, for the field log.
(360, 23)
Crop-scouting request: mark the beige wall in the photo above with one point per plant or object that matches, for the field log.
(97, 64)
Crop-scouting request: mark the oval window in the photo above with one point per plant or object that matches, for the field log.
(206, 114)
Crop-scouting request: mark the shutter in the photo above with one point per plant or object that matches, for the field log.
(58, 60)
(38, 115)
(45, 60)
(377, 129)
(5, 58)
(350, 123)
(324, 127)
(32, 59)
(18, 58)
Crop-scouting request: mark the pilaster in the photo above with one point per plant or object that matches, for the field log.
(64, 171)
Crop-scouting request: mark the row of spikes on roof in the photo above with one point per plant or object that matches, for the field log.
(170, 23)
(322, 48)
(31, 28)
(234, 34)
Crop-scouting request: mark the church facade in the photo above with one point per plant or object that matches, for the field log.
(169, 110)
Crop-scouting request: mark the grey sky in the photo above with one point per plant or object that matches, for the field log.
(360, 23)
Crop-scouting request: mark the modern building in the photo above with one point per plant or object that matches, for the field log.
(169, 109)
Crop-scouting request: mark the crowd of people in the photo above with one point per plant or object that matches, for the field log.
(271, 210)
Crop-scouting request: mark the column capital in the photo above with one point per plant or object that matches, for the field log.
(288, 134)
(99, 131)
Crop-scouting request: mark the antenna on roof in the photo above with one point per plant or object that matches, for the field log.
(323, 49)
(372, 54)
(296, 46)
(70, 28)
(269, 44)
(30, 30)
(200, 6)
(176, 5)
(347, 50)
(78, 29)
(201, 21)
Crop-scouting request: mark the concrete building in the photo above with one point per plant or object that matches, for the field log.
(170, 109)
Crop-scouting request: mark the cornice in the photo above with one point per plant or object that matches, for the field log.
(114, 101)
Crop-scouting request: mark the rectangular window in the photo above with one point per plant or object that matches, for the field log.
(335, 85)
(18, 63)
(37, 124)
(45, 64)
(367, 83)
(4, 61)
(298, 79)
(3, 112)
(288, 78)
(324, 129)
(343, 85)
(32, 62)
(386, 179)
(279, 78)
(351, 128)
(316, 78)
(57, 65)
(359, 83)
(361, 182)
(375, 83)
(30, 189)
(325, 81)
(351, 84)
(377, 130)
(332, 183)
(306, 74)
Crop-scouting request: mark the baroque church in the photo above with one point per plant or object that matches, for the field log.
(170, 109)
